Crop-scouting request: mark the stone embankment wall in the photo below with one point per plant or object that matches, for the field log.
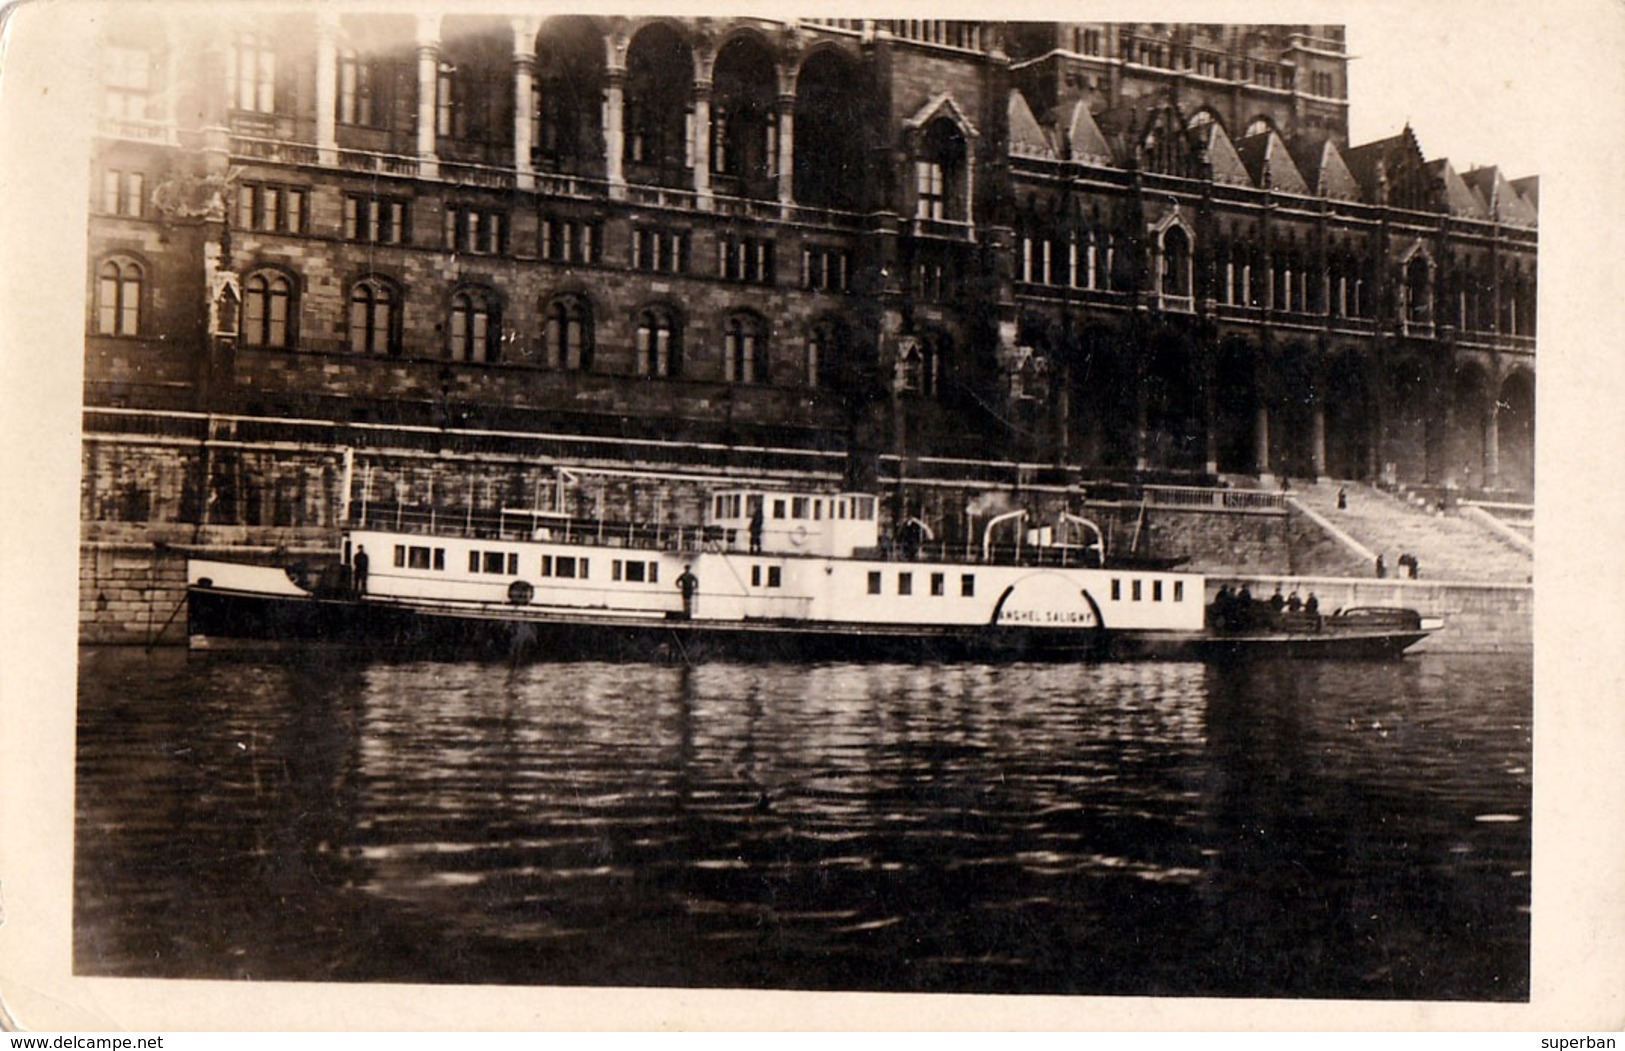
(1478, 618)
(132, 575)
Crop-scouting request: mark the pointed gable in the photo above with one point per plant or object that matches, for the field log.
(1270, 163)
(1027, 138)
(1393, 171)
(1459, 199)
(942, 106)
(1084, 142)
(1323, 167)
(1367, 165)
(1222, 158)
(1118, 126)
(1505, 203)
(1529, 189)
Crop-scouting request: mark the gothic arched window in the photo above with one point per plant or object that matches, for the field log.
(268, 310)
(567, 335)
(744, 350)
(374, 317)
(118, 298)
(1176, 262)
(659, 343)
(475, 327)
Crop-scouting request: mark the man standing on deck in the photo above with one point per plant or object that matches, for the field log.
(689, 585)
(359, 568)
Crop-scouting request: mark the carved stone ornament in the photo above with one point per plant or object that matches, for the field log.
(189, 196)
(225, 304)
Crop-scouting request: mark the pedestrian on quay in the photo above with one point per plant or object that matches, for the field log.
(1382, 568)
(1342, 499)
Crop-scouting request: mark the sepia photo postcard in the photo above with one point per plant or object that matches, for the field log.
(523, 517)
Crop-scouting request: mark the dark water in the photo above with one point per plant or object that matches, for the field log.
(1290, 829)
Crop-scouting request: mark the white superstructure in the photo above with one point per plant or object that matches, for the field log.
(816, 559)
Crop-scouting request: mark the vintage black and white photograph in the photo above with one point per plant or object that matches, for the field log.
(822, 504)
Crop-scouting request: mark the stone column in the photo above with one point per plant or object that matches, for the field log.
(212, 100)
(787, 150)
(428, 41)
(1317, 439)
(1210, 413)
(1261, 435)
(702, 143)
(1061, 400)
(524, 79)
(327, 141)
(1438, 444)
(1142, 429)
(614, 134)
(172, 68)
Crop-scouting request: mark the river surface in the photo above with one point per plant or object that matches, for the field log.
(1295, 829)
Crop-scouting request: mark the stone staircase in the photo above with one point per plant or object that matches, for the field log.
(1519, 518)
(1448, 545)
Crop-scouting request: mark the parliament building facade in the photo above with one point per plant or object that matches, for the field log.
(1118, 250)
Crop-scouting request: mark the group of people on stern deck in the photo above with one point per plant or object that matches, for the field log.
(1239, 609)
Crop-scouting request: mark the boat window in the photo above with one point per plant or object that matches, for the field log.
(1179, 591)
(1117, 590)
(564, 566)
(755, 576)
(634, 572)
(967, 584)
(417, 558)
(840, 509)
(1136, 590)
(494, 562)
(513, 564)
(615, 569)
(654, 572)
(818, 510)
(440, 558)
(905, 583)
(473, 561)
(547, 565)
(1156, 591)
(938, 584)
(400, 555)
(775, 577)
(874, 583)
(583, 568)
(798, 507)
(778, 509)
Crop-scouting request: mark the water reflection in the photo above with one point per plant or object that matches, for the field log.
(1288, 829)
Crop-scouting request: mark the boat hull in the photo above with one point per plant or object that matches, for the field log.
(220, 618)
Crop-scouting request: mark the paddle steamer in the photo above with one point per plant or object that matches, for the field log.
(771, 574)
